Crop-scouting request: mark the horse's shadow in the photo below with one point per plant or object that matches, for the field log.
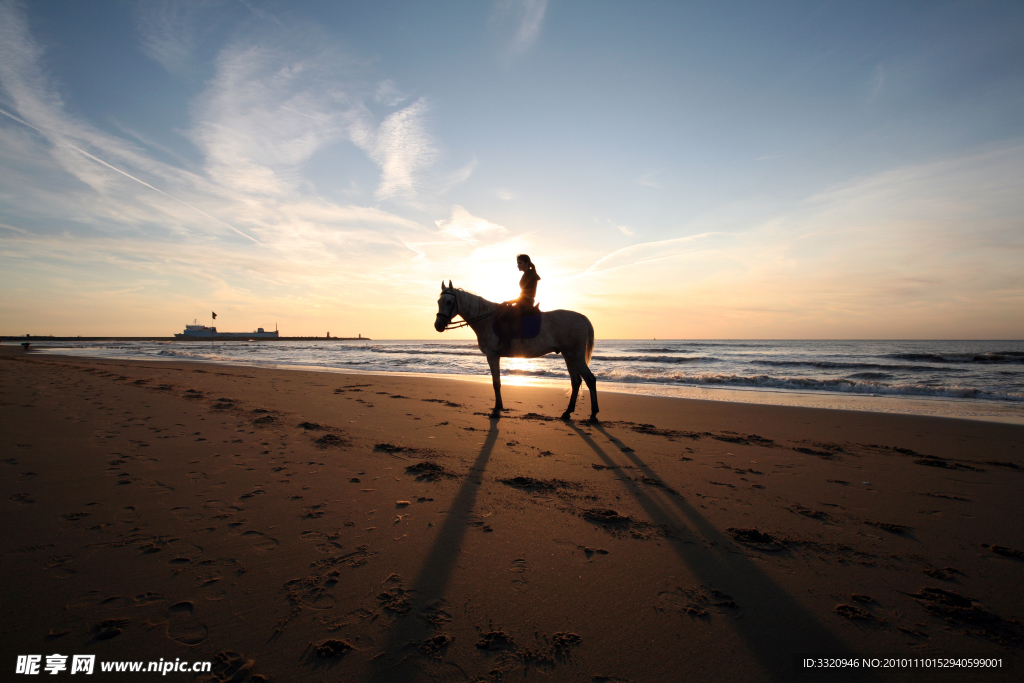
(435, 573)
(772, 618)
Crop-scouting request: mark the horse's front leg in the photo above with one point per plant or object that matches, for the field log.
(495, 362)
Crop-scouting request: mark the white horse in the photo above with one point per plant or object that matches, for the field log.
(565, 332)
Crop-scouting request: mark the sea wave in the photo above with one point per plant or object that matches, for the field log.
(190, 354)
(689, 346)
(421, 352)
(658, 359)
(844, 385)
(992, 357)
(839, 365)
(874, 376)
(534, 373)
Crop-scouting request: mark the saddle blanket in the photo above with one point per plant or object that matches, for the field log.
(530, 327)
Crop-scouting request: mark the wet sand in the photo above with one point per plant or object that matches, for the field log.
(304, 526)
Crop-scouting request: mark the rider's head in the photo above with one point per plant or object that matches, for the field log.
(524, 262)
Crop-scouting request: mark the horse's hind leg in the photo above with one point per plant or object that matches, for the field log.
(574, 379)
(591, 381)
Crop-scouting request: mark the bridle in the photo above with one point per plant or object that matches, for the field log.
(465, 322)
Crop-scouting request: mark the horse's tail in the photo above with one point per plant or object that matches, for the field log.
(590, 339)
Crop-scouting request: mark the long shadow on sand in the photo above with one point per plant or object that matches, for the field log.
(774, 625)
(433, 578)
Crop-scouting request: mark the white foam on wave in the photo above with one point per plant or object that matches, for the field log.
(809, 384)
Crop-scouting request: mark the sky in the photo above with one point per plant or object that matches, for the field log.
(698, 170)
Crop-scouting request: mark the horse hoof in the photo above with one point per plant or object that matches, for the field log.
(592, 420)
(495, 414)
(567, 415)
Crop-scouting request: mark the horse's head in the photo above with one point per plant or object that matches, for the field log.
(447, 307)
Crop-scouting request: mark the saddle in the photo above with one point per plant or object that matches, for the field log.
(529, 325)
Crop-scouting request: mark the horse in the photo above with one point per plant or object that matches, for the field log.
(566, 332)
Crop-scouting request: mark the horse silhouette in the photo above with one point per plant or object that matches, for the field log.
(566, 332)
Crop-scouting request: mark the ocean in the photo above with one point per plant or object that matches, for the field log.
(971, 379)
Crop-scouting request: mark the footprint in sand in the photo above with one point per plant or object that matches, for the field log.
(518, 570)
(127, 516)
(115, 601)
(148, 598)
(61, 565)
(111, 628)
(209, 586)
(326, 543)
(329, 547)
(213, 593)
(222, 509)
(319, 600)
(182, 626)
(435, 613)
(158, 488)
(184, 514)
(263, 542)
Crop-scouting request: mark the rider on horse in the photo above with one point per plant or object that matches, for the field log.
(513, 312)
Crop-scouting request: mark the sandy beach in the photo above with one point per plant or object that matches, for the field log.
(305, 526)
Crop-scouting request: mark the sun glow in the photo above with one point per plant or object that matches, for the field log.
(520, 370)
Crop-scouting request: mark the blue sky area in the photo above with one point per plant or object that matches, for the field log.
(676, 170)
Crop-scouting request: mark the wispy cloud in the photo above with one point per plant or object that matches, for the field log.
(520, 21)
(38, 104)
(140, 182)
(646, 252)
(262, 14)
(272, 104)
(388, 94)
(401, 147)
(267, 111)
(4, 226)
(271, 107)
(448, 181)
(171, 32)
(465, 226)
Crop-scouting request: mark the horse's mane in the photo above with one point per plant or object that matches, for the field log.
(471, 293)
(467, 291)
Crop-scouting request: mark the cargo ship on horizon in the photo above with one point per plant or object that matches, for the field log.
(196, 331)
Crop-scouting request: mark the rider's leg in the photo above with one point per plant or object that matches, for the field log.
(504, 328)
